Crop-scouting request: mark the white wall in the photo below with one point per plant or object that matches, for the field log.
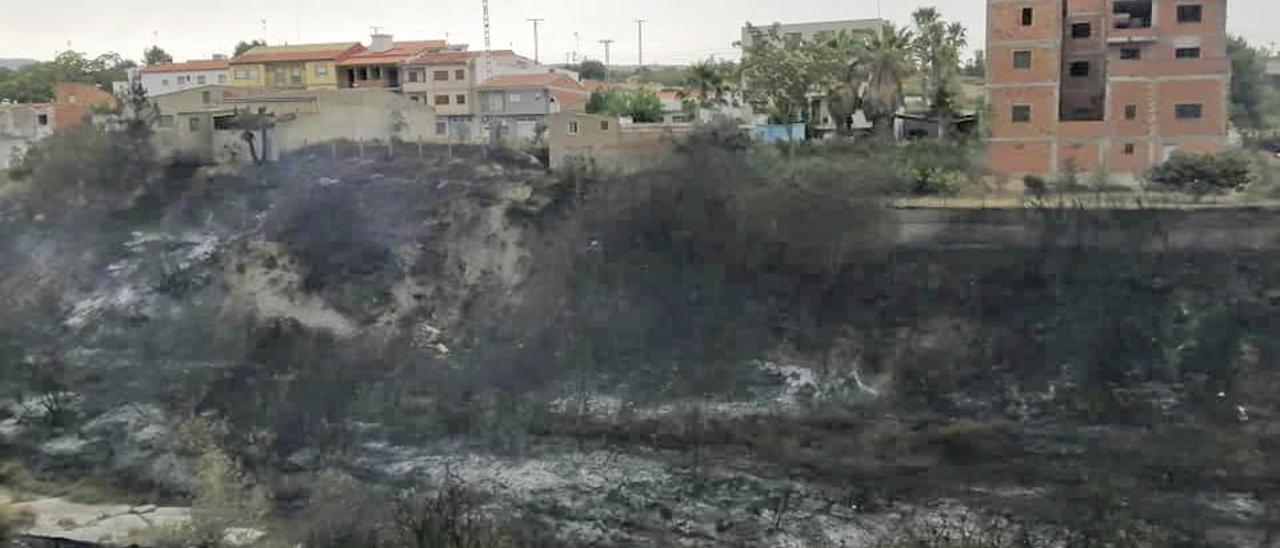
(160, 83)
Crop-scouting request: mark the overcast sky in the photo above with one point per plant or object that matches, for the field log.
(678, 31)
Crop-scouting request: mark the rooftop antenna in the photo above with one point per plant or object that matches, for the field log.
(264, 31)
(537, 59)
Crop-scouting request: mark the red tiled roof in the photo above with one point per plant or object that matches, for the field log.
(305, 52)
(189, 66)
(455, 57)
(570, 101)
(399, 52)
(532, 80)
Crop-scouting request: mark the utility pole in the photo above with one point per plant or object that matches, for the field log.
(640, 40)
(536, 56)
(606, 52)
(577, 46)
(488, 51)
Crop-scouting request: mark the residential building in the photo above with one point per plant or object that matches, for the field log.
(378, 66)
(447, 81)
(673, 111)
(609, 142)
(21, 125)
(1273, 73)
(798, 32)
(308, 66)
(519, 103)
(171, 77)
(196, 125)
(74, 103)
(1110, 85)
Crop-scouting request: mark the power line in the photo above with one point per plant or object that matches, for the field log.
(536, 56)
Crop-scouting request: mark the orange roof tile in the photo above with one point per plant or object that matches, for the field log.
(189, 66)
(454, 57)
(399, 52)
(532, 80)
(305, 52)
(570, 101)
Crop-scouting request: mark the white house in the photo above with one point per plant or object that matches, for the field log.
(171, 77)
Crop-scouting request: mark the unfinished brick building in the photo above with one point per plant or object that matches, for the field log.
(1111, 84)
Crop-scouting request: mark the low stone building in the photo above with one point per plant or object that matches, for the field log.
(609, 142)
(197, 125)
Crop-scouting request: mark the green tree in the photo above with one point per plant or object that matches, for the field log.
(591, 69)
(1250, 96)
(843, 97)
(887, 58)
(709, 82)
(937, 46)
(642, 105)
(156, 56)
(783, 73)
(1203, 174)
(243, 46)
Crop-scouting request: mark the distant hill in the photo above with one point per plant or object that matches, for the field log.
(16, 63)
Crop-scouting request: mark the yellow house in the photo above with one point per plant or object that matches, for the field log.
(307, 66)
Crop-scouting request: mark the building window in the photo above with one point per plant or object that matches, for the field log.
(1189, 111)
(604, 125)
(1081, 30)
(42, 119)
(1187, 53)
(165, 121)
(200, 80)
(1079, 69)
(1131, 54)
(1022, 60)
(322, 69)
(440, 76)
(460, 74)
(1131, 112)
(295, 76)
(375, 73)
(206, 97)
(442, 99)
(242, 74)
(1193, 13)
(193, 124)
(1132, 14)
(222, 78)
(461, 99)
(1028, 16)
(164, 83)
(413, 76)
(573, 128)
(1021, 114)
(513, 98)
(1129, 149)
(442, 128)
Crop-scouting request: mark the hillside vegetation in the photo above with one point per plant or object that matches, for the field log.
(735, 349)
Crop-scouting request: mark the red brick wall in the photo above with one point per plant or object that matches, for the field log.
(1019, 158)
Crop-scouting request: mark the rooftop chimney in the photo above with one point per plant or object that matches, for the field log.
(379, 43)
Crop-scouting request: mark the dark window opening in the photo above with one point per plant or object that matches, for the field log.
(1188, 111)
(1131, 112)
(1022, 60)
(1081, 30)
(42, 119)
(1079, 69)
(1130, 54)
(1190, 14)
(1132, 14)
(1028, 16)
(1187, 53)
(223, 123)
(1129, 149)
(1021, 113)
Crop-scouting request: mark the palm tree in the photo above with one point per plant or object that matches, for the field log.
(886, 57)
(843, 97)
(937, 48)
(706, 82)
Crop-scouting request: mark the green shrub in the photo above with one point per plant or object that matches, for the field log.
(1203, 174)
